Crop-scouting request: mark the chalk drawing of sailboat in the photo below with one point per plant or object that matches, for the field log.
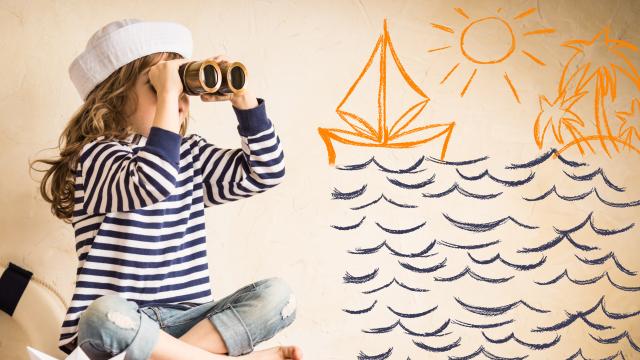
(394, 128)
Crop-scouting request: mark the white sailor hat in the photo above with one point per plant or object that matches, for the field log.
(122, 41)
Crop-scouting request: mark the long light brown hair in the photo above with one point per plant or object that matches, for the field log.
(102, 114)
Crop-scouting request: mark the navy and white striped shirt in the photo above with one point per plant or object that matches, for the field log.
(139, 211)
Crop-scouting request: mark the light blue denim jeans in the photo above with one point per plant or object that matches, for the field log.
(252, 314)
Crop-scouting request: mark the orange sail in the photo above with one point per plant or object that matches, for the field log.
(369, 132)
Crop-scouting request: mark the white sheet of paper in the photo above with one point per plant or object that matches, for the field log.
(76, 354)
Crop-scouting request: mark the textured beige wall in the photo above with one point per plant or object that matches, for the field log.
(303, 57)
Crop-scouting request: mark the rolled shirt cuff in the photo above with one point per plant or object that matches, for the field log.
(165, 144)
(252, 121)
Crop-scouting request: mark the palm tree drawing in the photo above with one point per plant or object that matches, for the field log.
(606, 64)
(558, 115)
(401, 133)
(629, 131)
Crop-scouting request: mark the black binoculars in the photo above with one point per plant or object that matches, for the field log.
(209, 77)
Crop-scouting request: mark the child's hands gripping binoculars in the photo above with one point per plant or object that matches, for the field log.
(211, 77)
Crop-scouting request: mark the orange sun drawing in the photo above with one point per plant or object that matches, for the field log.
(369, 132)
(479, 49)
